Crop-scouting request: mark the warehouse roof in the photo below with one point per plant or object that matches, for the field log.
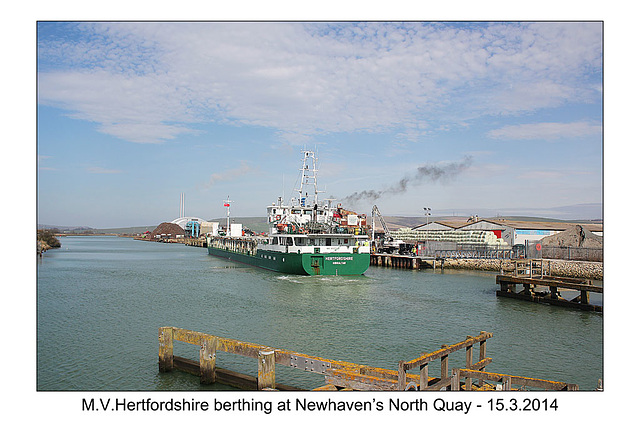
(518, 225)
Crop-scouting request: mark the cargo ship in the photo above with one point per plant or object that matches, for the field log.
(306, 236)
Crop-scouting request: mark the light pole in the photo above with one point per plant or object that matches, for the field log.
(427, 212)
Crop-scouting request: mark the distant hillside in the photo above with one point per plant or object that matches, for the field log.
(125, 230)
(64, 228)
(259, 224)
(89, 230)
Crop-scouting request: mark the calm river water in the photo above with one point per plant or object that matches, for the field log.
(101, 300)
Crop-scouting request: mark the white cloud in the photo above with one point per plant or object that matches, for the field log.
(229, 174)
(150, 82)
(547, 131)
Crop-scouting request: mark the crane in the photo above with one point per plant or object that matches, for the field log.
(387, 243)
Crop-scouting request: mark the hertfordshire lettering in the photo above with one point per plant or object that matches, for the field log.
(175, 405)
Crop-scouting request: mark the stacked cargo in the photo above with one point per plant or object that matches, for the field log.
(477, 237)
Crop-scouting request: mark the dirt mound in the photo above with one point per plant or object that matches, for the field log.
(576, 237)
(168, 229)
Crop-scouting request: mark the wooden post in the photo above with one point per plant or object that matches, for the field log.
(506, 383)
(455, 379)
(165, 349)
(266, 369)
(424, 376)
(482, 355)
(444, 365)
(208, 360)
(584, 297)
(468, 364)
(402, 376)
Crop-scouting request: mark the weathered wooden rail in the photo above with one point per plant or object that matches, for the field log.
(506, 382)
(538, 286)
(444, 381)
(526, 267)
(338, 375)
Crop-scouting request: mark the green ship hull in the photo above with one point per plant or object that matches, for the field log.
(310, 264)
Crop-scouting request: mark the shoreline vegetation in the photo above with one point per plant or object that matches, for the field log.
(46, 239)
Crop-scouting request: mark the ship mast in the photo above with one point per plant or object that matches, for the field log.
(309, 177)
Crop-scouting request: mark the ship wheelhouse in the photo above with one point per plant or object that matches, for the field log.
(316, 243)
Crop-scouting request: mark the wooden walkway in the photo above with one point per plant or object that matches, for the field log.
(529, 280)
(340, 375)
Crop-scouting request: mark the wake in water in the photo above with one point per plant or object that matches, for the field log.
(323, 280)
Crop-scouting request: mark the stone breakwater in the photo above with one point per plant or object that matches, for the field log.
(577, 269)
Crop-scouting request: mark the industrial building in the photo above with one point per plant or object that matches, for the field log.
(500, 232)
(519, 232)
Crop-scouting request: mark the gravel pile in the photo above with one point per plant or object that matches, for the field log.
(169, 229)
(576, 237)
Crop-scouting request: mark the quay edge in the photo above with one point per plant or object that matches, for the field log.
(562, 268)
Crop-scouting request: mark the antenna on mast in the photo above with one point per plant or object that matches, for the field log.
(227, 204)
(309, 177)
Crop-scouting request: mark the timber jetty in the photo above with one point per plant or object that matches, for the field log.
(401, 261)
(529, 280)
(339, 375)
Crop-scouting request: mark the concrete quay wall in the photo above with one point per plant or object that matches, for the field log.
(577, 269)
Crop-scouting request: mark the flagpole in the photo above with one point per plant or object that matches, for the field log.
(227, 204)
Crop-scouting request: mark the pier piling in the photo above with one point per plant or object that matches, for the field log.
(266, 369)
(208, 360)
(538, 286)
(165, 352)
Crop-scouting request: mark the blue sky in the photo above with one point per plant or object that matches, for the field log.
(466, 118)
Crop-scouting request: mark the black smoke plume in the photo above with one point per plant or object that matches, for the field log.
(433, 173)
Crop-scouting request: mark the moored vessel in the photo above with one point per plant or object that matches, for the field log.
(305, 237)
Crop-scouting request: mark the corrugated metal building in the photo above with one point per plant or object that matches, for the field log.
(511, 232)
